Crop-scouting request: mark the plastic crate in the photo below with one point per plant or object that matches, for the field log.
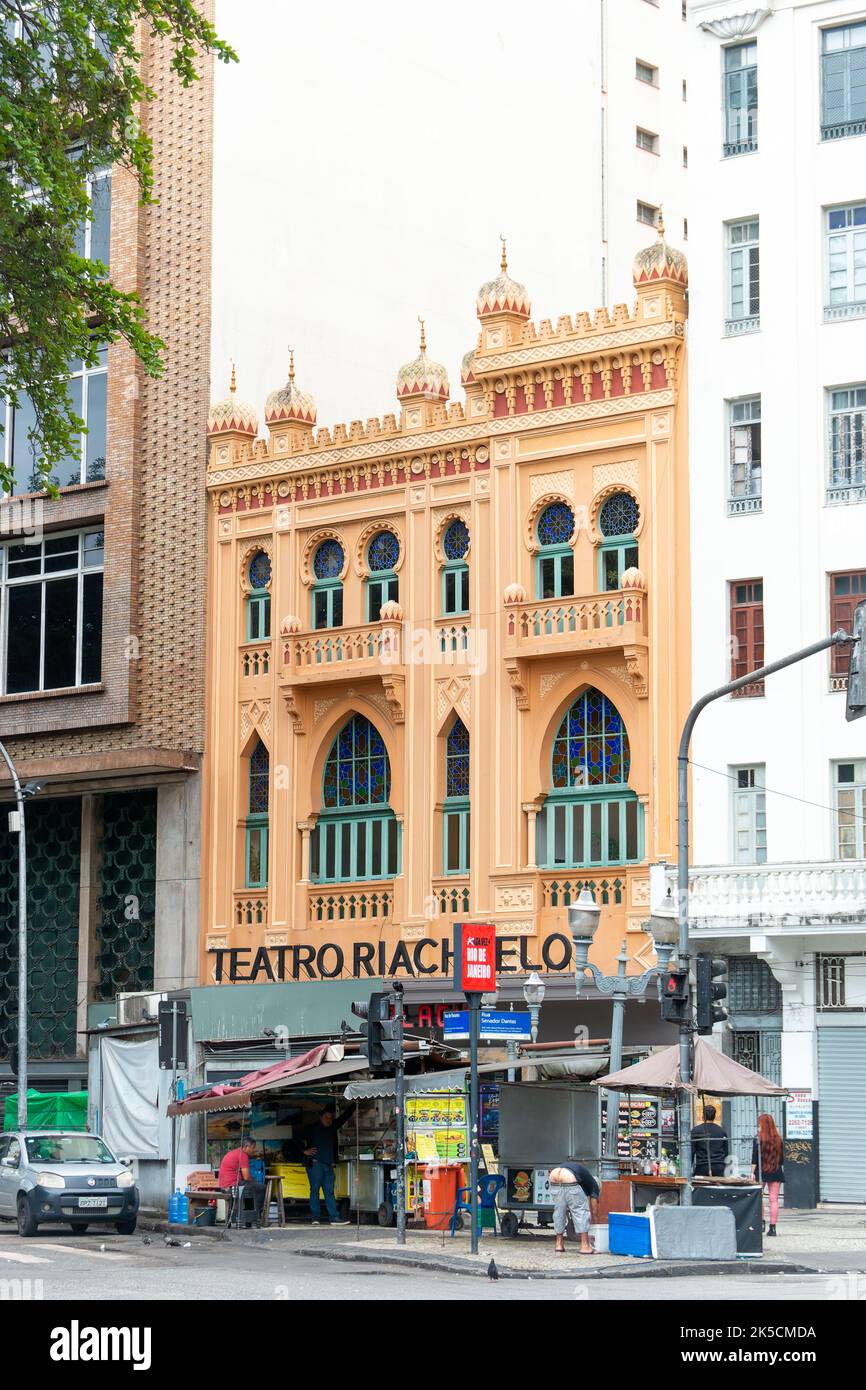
(629, 1234)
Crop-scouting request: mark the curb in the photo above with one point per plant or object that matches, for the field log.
(651, 1269)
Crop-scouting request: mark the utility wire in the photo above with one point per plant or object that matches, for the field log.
(789, 796)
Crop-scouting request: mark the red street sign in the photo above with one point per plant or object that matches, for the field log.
(475, 957)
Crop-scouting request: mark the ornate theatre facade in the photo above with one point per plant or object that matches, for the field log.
(448, 650)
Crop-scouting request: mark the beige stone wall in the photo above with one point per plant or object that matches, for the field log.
(570, 413)
(149, 711)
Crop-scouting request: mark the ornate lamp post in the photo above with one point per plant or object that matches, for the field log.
(534, 990)
(583, 920)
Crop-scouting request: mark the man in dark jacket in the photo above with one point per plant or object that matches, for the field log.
(709, 1147)
(320, 1151)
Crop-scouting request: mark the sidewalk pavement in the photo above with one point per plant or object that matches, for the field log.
(825, 1240)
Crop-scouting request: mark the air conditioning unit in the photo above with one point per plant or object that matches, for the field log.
(138, 1008)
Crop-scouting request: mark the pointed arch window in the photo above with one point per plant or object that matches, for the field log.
(455, 572)
(617, 521)
(328, 563)
(456, 804)
(555, 563)
(383, 585)
(357, 835)
(259, 598)
(258, 796)
(590, 816)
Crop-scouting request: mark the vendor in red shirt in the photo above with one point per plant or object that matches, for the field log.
(235, 1170)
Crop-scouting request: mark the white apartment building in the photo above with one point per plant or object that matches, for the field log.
(777, 262)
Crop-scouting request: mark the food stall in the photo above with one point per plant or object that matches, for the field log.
(713, 1074)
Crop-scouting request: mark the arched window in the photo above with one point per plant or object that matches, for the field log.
(258, 793)
(259, 599)
(590, 816)
(383, 552)
(328, 563)
(617, 521)
(357, 835)
(456, 803)
(455, 574)
(555, 573)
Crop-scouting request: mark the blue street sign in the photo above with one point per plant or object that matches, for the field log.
(497, 1027)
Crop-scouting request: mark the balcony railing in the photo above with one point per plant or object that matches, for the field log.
(740, 506)
(251, 908)
(735, 328)
(255, 660)
(833, 312)
(562, 890)
(333, 652)
(452, 896)
(733, 147)
(766, 895)
(614, 619)
(843, 129)
(350, 902)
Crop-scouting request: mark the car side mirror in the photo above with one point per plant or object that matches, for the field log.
(127, 1161)
(8, 1162)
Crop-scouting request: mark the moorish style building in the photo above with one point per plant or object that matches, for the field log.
(448, 650)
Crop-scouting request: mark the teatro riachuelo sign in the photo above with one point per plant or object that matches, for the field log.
(423, 958)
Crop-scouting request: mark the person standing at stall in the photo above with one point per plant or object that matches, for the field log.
(768, 1147)
(321, 1154)
(574, 1190)
(709, 1147)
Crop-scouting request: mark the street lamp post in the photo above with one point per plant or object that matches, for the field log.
(583, 920)
(29, 789)
(534, 990)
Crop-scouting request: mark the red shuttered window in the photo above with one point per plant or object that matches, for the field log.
(747, 631)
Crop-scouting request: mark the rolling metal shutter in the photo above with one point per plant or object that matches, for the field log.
(841, 1116)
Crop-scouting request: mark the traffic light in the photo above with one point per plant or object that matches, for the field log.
(711, 990)
(675, 996)
(382, 1045)
(856, 706)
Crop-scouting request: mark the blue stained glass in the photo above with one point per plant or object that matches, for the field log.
(619, 515)
(457, 760)
(260, 570)
(591, 745)
(259, 780)
(357, 771)
(556, 524)
(328, 560)
(455, 542)
(384, 551)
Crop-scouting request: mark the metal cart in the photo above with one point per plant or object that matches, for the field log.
(542, 1123)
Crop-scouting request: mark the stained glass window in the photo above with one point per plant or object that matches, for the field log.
(384, 551)
(260, 570)
(556, 524)
(457, 760)
(455, 542)
(619, 515)
(357, 772)
(259, 779)
(591, 746)
(328, 560)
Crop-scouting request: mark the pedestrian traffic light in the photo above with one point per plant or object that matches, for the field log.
(381, 1045)
(675, 996)
(856, 706)
(711, 990)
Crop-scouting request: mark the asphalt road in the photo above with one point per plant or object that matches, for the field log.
(57, 1265)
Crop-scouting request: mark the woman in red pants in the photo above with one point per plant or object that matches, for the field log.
(772, 1173)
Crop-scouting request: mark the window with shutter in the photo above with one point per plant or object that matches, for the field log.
(847, 444)
(744, 428)
(843, 81)
(741, 99)
(749, 815)
(747, 632)
(850, 810)
(846, 591)
(744, 278)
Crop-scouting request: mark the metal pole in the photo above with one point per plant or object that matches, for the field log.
(511, 1054)
(173, 1095)
(610, 1166)
(22, 943)
(474, 1021)
(839, 638)
(400, 1118)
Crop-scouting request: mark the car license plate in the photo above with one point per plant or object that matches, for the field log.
(93, 1201)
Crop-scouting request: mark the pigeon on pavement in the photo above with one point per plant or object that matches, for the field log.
(492, 1271)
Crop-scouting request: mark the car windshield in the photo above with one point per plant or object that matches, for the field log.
(68, 1148)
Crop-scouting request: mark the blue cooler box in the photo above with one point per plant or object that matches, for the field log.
(629, 1233)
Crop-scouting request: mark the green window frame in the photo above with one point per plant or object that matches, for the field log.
(256, 852)
(455, 589)
(583, 829)
(258, 617)
(355, 847)
(381, 589)
(616, 555)
(455, 835)
(327, 605)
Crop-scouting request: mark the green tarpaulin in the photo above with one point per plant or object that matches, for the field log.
(49, 1110)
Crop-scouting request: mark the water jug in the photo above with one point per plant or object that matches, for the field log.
(178, 1208)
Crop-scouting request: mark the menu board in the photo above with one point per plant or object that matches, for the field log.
(646, 1129)
(489, 1112)
(436, 1123)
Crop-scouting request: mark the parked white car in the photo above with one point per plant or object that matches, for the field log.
(64, 1177)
